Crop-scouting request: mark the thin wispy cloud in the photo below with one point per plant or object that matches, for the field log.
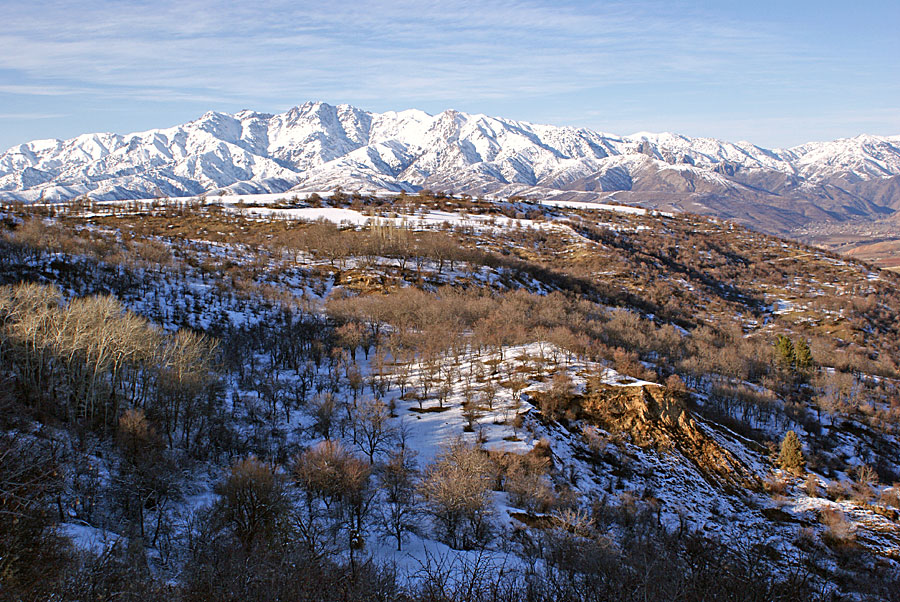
(510, 55)
(29, 116)
(460, 43)
(41, 90)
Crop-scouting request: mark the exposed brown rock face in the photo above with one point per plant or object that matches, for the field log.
(655, 417)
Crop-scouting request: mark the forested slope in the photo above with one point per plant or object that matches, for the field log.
(405, 397)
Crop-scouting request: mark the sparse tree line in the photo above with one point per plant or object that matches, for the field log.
(453, 321)
(437, 329)
(569, 558)
(328, 501)
(717, 260)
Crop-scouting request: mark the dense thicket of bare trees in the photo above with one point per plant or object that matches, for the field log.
(89, 359)
(31, 556)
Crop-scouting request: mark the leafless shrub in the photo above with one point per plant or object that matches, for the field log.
(372, 428)
(839, 531)
(397, 479)
(890, 496)
(338, 489)
(812, 485)
(776, 485)
(525, 479)
(865, 478)
(839, 490)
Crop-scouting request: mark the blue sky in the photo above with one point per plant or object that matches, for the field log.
(777, 73)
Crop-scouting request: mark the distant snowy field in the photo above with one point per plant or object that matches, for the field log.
(250, 203)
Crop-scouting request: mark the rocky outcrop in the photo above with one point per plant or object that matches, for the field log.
(653, 416)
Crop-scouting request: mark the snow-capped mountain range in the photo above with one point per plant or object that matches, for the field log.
(317, 146)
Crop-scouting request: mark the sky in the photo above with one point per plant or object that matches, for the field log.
(775, 72)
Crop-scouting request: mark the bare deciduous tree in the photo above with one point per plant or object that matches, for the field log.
(398, 483)
(253, 503)
(372, 429)
(338, 488)
(457, 490)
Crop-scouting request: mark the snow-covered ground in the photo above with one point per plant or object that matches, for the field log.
(596, 464)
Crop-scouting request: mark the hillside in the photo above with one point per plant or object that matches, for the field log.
(317, 147)
(440, 398)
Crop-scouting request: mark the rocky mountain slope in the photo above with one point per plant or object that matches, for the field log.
(317, 146)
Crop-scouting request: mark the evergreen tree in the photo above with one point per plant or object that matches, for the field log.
(785, 353)
(791, 456)
(802, 355)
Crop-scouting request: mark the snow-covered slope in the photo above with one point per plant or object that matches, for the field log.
(317, 146)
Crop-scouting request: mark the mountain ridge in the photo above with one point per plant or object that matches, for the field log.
(318, 146)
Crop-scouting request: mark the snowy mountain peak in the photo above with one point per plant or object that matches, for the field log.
(317, 146)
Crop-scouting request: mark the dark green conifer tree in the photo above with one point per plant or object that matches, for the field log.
(785, 354)
(802, 355)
